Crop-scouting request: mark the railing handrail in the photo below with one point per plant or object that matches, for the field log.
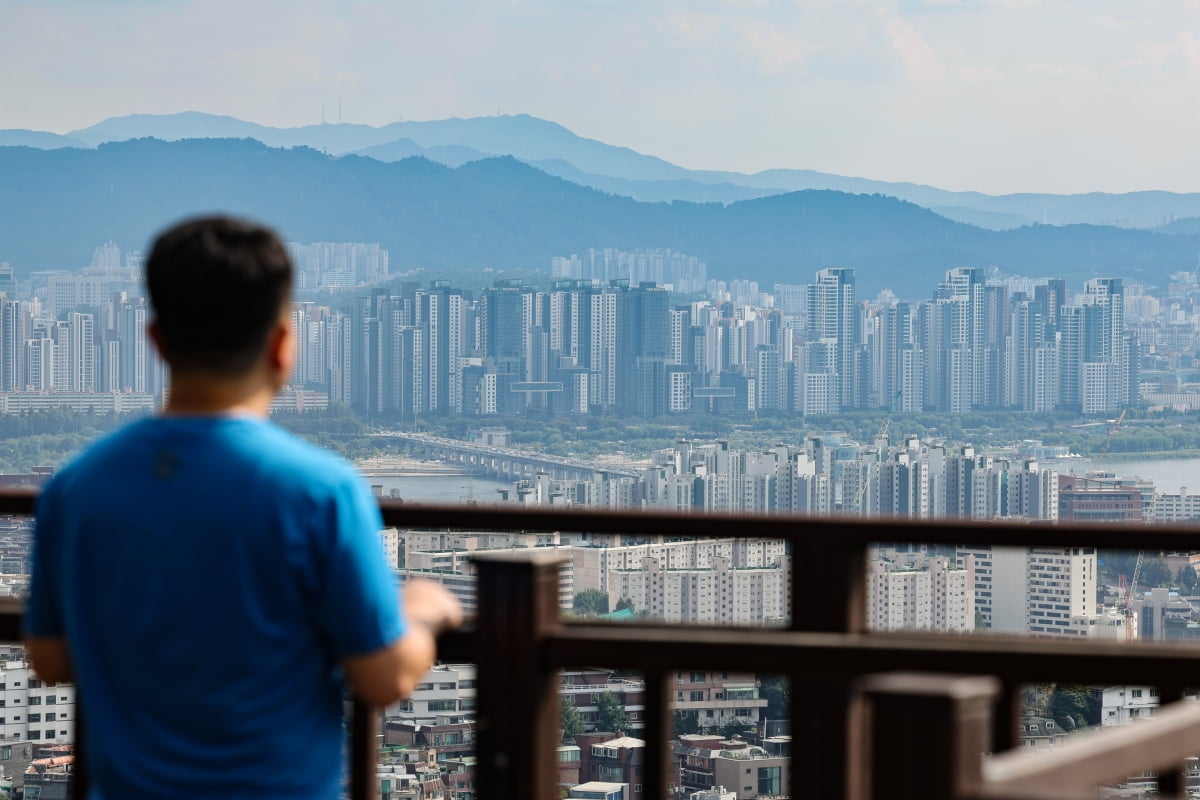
(824, 650)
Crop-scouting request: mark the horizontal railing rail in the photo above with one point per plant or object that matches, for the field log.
(851, 689)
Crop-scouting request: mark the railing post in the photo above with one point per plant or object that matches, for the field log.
(1171, 781)
(925, 735)
(656, 766)
(1008, 712)
(517, 730)
(364, 725)
(828, 594)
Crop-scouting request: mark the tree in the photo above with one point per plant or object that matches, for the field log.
(624, 603)
(1189, 582)
(570, 719)
(686, 722)
(1155, 573)
(735, 728)
(591, 602)
(778, 692)
(610, 714)
(1071, 706)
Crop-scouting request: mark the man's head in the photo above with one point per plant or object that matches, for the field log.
(219, 288)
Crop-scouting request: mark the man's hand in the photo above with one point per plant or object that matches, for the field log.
(428, 603)
(392, 673)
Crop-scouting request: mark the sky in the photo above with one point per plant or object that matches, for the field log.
(989, 95)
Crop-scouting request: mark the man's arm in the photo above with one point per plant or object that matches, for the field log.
(391, 673)
(49, 658)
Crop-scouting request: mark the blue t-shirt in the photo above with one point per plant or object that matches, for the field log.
(208, 574)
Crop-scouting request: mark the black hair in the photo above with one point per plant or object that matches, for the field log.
(217, 286)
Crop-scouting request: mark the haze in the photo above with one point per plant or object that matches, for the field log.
(992, 95)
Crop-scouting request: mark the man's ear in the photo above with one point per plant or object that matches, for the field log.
(281, 350)
(155, 334)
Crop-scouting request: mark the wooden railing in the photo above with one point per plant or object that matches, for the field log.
(874, 715)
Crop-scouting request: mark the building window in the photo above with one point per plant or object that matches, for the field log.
(35, 701)
(35, 735)
(50, 700)
(35, 718)
(770, 781)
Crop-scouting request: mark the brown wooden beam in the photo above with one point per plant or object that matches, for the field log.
(844, 656)
(518, 704)
(1093, 758)
(925, 735)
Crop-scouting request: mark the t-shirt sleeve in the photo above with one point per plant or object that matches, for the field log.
(43, 610)
(359, 605)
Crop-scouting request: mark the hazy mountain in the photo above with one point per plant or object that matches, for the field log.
(1186, 226)
(654, 191)
(169, 127)
(620, 170)
(996, 220)
(17, 137)
(451, 155)
(56, 205)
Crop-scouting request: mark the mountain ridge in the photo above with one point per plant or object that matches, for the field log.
(620, 169)
(501, 213)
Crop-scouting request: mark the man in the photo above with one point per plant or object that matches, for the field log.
(206, 578)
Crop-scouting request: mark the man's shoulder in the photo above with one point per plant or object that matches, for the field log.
(227, 443)
(299, 459)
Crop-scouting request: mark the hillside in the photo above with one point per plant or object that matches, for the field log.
(56, 205)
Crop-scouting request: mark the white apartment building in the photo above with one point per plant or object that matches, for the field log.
(594, 566)
(1175, 507)
(391, 546)
(718, 698)
(1044, 591)
(1120, 705)
(999, 586)
(913, 591)
(33, 711)
(720, 594)
(1060, 586)
(455, 570)
(446, 695)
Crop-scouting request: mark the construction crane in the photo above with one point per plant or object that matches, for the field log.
(1129, 593)
(1112, 432)
(883, 429)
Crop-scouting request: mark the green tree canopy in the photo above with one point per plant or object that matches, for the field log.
(591, 602)
(610, 714)
(570, 719)
(686, 722)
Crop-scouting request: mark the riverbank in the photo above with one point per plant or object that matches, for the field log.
(402, 467)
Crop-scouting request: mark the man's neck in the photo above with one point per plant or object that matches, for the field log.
(204, 396)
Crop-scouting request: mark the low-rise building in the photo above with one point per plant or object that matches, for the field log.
(612, 761)
(1120, 705)
(1039, 732)
(584, 688)
(446, 694)
(719, 698)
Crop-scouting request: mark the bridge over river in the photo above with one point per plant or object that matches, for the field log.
(505, 462)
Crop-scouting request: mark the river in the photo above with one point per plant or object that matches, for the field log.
(1168, 474)
(439, 489)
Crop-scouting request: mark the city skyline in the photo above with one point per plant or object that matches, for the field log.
(994, 96)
